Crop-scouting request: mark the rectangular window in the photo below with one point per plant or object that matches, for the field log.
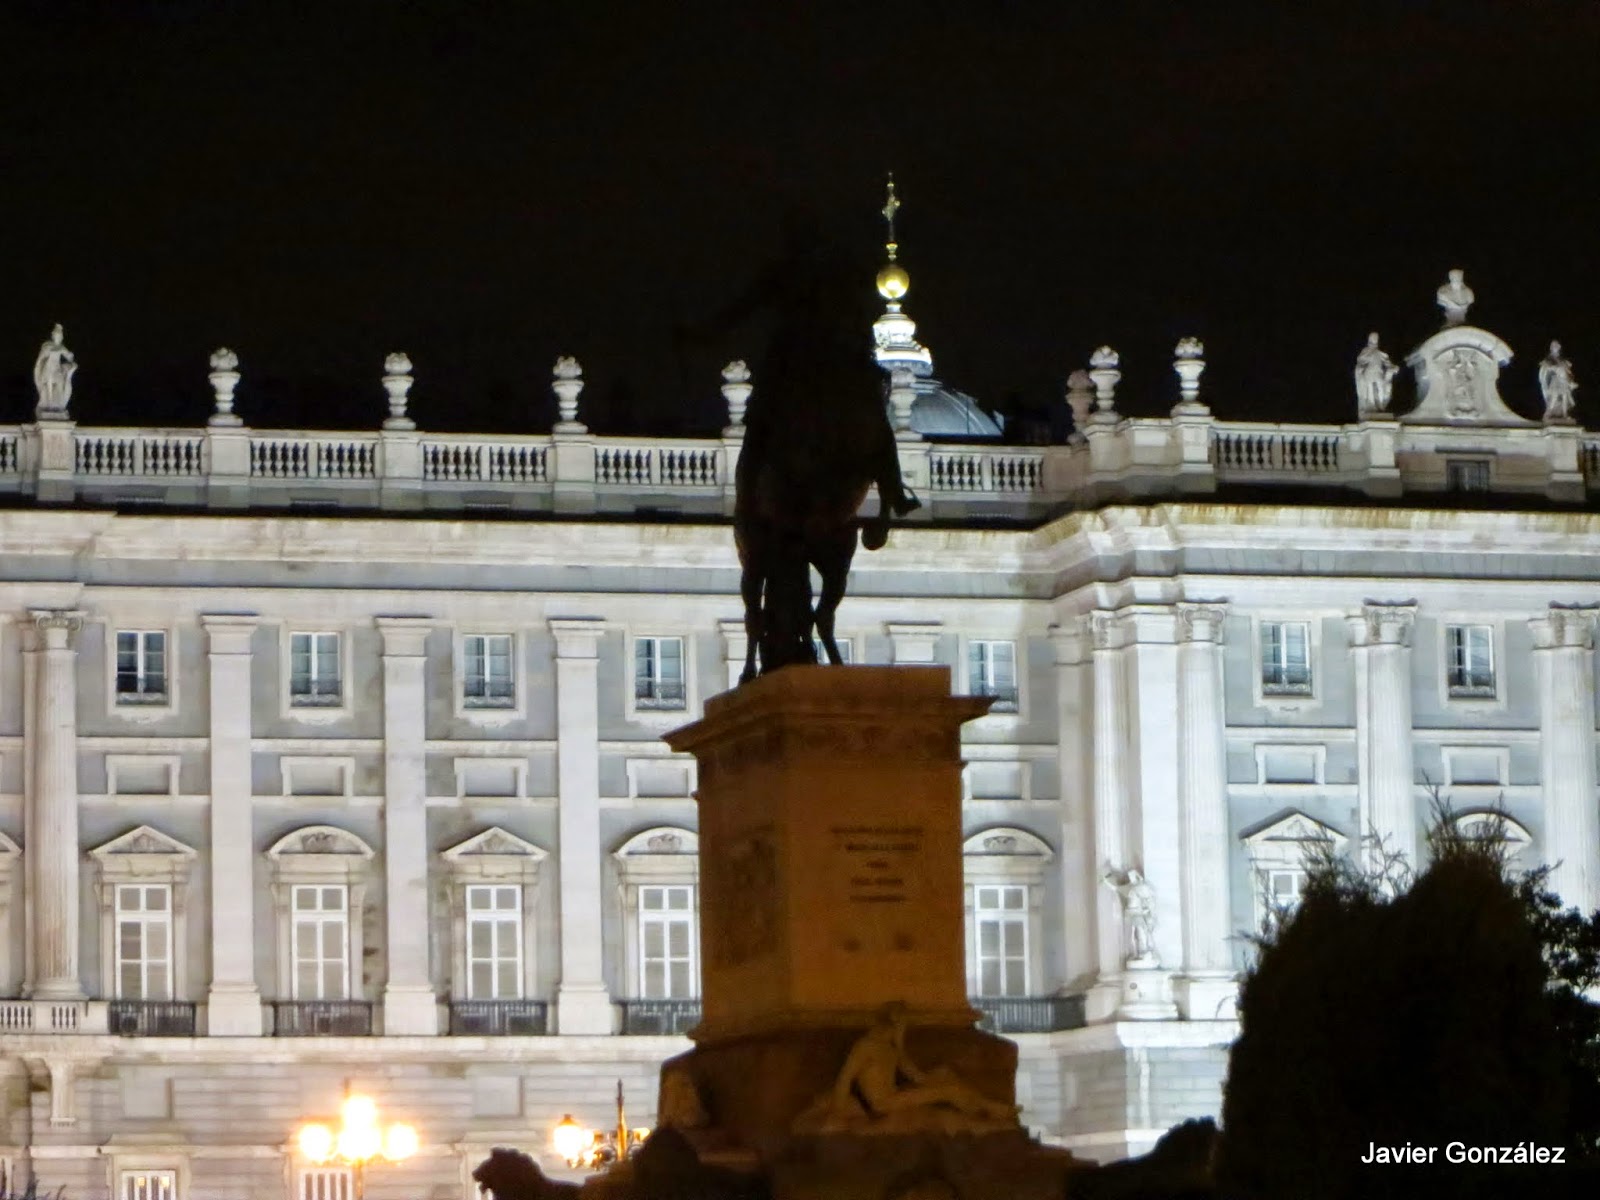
(1282, 888)
(1000, 928)
(666, 943)
(144, 941)
(326, 1183)
(658, 672)
(149, 1185)
(141, 666)
(494, 941)
(842, 643)
(1285, 658)
(314, 669)
(487, 680)
(992, 671)
(320, 941)
(1466, 475)
(1469, 655)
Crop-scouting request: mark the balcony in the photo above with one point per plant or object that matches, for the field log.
(150, 1018)
(498, 1018)
(1028, 1014)
(661, 694)
(1005, 696)
(660, 1017)
(321, 1018)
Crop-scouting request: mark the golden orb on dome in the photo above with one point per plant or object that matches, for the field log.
(893, 282)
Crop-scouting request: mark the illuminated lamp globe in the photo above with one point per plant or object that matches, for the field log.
(360, 1112)
(316, 1143)
(893, 282)
(571, 1139)
(359, 1144)
(399, 1143)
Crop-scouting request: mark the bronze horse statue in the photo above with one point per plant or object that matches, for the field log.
(817, 438)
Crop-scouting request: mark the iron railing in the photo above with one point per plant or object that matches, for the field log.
(150, 1018)
(498, 1018)
(321, 1018)
(663, 1017)
(1028, 1014)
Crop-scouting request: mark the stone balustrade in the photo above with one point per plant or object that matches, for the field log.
(237, 468)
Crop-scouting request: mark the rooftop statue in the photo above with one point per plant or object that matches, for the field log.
(1455, 297)
(817, 437)
(1375, 372)
(52, 377)
(1557, 383)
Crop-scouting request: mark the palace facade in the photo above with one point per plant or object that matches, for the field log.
(334, 760)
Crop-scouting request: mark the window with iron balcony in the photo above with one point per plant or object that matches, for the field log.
(1469, 651)
(658, 672)
(992, 671)
(1285, 658)
(314, 670)
(141, 666)
(488, 679)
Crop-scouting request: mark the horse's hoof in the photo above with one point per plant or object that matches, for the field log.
(875, 535)
(745, 677)
(906, 504)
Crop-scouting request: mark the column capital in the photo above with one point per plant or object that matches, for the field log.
(404, 637)
(1108, 630)
(1382, 623)
(1073, 640)
(56, 626)
(577, 637)
(1202, 621)
(734, 638)
(229, 633)
(1565, 626)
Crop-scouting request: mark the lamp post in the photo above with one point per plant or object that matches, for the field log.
(358, 1141)
(581, 1146)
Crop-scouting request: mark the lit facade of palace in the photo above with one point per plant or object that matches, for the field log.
(318, 769)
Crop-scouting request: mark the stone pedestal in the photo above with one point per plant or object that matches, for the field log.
(830, 850)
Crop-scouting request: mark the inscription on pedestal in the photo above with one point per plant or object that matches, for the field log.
(878, 860)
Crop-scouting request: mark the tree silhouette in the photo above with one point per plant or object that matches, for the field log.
(1385, 1014)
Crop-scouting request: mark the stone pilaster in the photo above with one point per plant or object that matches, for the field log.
(1564, 660)
(233, 1005)
(1205, 990)
(1113, 796)
(1380, 641)
(53, 805)
(1151, 664)
(409, 1003)
(582, 1004)
(1072, 641)
(734, 645)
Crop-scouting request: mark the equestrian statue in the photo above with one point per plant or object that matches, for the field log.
(817, 438)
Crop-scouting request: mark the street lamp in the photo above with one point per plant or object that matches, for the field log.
(358, 1140)
(581, 1146)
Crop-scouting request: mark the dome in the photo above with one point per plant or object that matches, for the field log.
(940, 412)
(893, 282)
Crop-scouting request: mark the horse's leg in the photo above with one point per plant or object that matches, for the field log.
(834, 567)
(750, 589)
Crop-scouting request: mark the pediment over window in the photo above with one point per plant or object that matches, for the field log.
(1287, 837)
(494, 842)
(325, 840)
(661, 840)
(9, 851)
(1481, 823)
(143, 841)
(1007, 840)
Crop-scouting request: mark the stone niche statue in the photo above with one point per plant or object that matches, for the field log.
(1138, 914)
(879, 1081)
(52, 378)
(1557, 383)
(1375, 373)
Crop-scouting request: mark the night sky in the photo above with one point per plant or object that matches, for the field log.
(487, 186)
